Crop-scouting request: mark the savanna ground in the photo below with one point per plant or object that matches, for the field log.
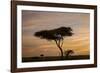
(56, 58)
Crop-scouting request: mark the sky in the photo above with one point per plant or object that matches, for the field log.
(34, 21)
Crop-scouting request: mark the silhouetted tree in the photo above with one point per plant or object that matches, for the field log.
(41, 55)
(68, 53)
(57, 35)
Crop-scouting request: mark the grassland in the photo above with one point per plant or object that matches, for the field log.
(56, 58)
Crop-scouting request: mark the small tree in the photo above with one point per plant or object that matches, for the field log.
(68, 53)
(41, 55)
(57, 35)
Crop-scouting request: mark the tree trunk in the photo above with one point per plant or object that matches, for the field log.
(58, 45)
(60, 51)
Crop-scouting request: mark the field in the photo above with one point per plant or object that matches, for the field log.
(57, 58)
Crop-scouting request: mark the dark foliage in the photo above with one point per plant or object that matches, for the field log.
(41, 55)
(69, 52)
(50, 34)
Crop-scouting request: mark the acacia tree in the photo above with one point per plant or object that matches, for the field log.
(56, 35)
(68, 53)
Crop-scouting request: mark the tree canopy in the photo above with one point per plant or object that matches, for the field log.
(57, 35)
(54, 33)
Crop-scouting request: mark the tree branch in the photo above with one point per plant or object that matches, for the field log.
(58, 45)
(62, 43)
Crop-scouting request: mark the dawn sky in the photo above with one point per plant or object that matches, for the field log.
(33, 21)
